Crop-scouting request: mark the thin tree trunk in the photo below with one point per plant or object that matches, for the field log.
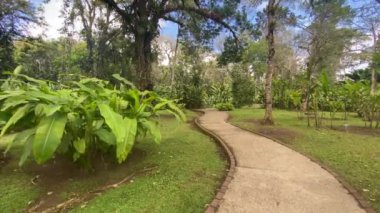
(271, 10)
(88, 22)
(373, 74)
(172, 80)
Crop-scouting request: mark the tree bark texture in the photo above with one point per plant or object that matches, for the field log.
(268, 117)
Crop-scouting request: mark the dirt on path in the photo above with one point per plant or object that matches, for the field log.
(270, 177)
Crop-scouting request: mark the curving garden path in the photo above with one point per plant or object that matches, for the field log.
(270, 177)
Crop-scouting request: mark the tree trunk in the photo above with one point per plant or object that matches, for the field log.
(373, 81)
(90, 59)
(87, 14)
(268, 118)
(143, 60)
(373, 74)
(174, 65)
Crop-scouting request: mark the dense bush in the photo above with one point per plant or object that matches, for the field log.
(243, 87)
(224, 106)
(189, 87)
(218, 93)
(332, 97)
(79, 119)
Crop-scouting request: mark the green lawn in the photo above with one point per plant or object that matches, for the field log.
(354, 156)
(189, 170)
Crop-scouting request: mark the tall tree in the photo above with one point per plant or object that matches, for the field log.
(325, 39)
(367, 21)
(375, 67)
(141, 20)
(15, 15)
(271, 26)
(274, 15)
(87, 12)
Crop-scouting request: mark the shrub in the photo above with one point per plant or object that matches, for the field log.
(218, 93)
(243, 87)
(80, 119)
(224, 106)
(189, 87)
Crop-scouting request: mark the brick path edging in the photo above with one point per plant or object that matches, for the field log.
(363, 203)
(214, 205)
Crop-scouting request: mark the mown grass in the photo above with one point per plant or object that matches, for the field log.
(354, 156)
(189, 170)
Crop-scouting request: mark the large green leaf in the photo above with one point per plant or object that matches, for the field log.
(18, 70)
(160, 105)
(106, 136)
(123, 147)
(171, 107)
(26, 152)
(12, 102)
(48, 136)
(123, 129)
(113, 120)
(133, 97)
(123, 80)
(46, 109)
(80, 145)
(4, 117)
(21, 138)
(8, 94)
(42, 96)
(176, 111)
(20, 112)
(153, 129)
(6, 140)
(51, 109)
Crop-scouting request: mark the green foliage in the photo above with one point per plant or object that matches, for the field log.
(218, 93)
(326, 96)
(256, 56)
(243, 88)
(15, 15)
(50, 59)
(162, 189)
(362, 75)
(48, 135)
(232, 52)
(328, 38)
(78, 119)
(225, 106)
(189, 87)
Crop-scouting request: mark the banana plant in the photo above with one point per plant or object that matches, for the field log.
(77, 119)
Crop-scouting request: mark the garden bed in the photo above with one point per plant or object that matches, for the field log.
(183, 173)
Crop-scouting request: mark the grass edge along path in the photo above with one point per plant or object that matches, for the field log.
(352, 157)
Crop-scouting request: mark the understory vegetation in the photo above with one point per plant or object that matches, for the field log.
(79, 119)
(183, 172)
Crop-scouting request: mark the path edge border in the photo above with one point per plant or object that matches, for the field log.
(222, 189)
(362, 202)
